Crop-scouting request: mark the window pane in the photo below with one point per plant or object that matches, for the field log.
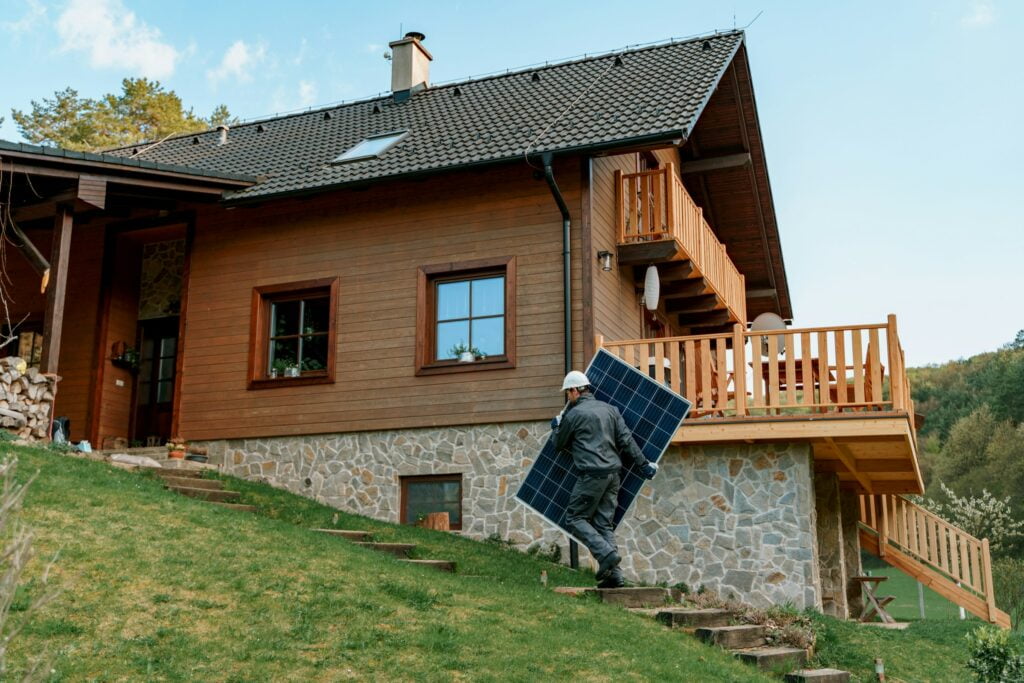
(166, 368)
(284, 318)
(489, 335)
(164, 391)
(489, 296)
(314, 353)
(143, 393)
(452, 300)
(425, 497)
(284, 353)
(450, 336)
(317, 315)
(147, 348)
(168, 346)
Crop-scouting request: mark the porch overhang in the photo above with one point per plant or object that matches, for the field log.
(874, 453)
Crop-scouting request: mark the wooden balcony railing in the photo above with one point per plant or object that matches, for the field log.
(816, 371)
(948, 559)
(654, 205)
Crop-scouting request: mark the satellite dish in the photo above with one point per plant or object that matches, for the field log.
(652, 288)
(765, 322)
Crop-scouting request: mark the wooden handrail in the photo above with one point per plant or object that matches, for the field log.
(811, 370)
(948, 551)
(655, 205)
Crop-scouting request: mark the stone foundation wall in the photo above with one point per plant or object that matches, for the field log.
(849, 507)
(737, 518)
(831, 548)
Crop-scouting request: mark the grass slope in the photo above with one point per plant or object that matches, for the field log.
(161, 587)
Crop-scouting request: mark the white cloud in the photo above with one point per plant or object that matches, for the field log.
(307, 93)
(35, 12)
(113, 36)
(238, 62)
(300, 56)
(981, 13)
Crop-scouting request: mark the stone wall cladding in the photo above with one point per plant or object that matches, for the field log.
(849, 504)
(831, 548)
(735, 518)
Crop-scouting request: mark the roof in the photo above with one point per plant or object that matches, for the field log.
(118, 160)
(647, 94)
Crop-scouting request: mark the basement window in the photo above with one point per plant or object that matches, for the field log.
(371, 148)
(434, 493)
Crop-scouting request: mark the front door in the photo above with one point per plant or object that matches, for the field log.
(154, 389)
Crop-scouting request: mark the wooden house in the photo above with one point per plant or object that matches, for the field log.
(373, 304)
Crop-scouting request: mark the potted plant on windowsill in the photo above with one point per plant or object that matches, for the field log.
(283, 367)
(466, 354)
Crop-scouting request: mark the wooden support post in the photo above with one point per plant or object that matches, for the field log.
(990, 593)
(53, 322)
(739, 370)
(883, 537)
(895, 373)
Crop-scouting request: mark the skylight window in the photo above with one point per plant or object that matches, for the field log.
(371, 147)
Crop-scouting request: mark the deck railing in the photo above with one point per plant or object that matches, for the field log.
(814, 370)
(952, 553)
(654, 205)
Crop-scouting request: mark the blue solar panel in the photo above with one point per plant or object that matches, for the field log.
(652, 411)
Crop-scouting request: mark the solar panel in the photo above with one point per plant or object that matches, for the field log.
(652, 411)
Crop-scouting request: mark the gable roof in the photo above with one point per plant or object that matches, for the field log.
(651, 94)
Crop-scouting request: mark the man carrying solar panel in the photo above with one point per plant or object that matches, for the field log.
(597, 438)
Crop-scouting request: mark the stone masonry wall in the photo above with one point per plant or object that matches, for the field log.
(736, 518)
(831, 558)
(849, 505)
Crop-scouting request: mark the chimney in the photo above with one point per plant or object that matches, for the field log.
(410, 66)
(223, 134)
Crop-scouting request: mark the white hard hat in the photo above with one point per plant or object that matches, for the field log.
(575, 380)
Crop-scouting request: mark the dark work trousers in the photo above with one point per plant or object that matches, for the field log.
(591, 511)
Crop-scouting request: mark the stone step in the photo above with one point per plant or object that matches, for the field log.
(773, 658)
(194, 482)
(818, 676)
(350, 535)
(639, 597)
(732, 637)
(180, 473)
(206, 494)
(681, 617)
(439, 565)
(401, 550)
(236, 506)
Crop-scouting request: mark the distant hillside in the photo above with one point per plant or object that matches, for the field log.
(951, 391)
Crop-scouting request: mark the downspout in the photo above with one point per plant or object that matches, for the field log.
(549, 176)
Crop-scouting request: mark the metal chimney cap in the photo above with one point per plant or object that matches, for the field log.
(417, 35)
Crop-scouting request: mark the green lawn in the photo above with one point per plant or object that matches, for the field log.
(905, 606)
(160, 587)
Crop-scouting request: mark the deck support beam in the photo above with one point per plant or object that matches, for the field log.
(846, 457)
(53, 322)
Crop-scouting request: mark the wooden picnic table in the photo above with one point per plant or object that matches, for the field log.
(876, 603)
(798, 372)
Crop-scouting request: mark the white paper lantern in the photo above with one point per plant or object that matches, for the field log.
(652, 288)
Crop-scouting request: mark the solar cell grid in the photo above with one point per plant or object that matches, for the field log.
(653, 413)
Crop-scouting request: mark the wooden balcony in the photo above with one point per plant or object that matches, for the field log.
(843, 389)
(660, 223)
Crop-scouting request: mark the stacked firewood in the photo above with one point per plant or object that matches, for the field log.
(26, 399)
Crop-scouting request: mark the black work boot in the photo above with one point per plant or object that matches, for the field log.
(607, 564)
(612, 580)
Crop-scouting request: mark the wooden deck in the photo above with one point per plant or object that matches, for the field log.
(842, 389)
(659, 222)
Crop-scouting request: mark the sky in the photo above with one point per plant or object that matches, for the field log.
(892, 129)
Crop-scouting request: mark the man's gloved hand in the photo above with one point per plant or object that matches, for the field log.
(555, 421)
(648, 470)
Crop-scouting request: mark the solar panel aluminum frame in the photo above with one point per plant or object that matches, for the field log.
(607, 374)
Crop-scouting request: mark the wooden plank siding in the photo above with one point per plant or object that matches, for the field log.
(374, 241)
(615, 302)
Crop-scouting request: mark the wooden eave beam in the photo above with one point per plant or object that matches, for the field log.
(708, 319)
(845, 456)
(684, 289)
(697, 304)
(715, 163)
(35, 258)
(762, 293)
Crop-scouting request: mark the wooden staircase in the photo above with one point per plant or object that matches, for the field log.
(919, 543)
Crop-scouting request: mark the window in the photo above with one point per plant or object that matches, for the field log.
(370, 147)
(293, 333)
(466, 316)
(433, 493)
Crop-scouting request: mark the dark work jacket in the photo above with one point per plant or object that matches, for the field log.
(597, 437)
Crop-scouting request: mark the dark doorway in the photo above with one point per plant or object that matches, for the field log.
(154, 389)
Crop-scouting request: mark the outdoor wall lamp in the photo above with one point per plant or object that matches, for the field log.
(605, 257)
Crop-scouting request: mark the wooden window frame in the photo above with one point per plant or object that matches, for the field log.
(259, 332)
(426, 314)
(405, 480)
